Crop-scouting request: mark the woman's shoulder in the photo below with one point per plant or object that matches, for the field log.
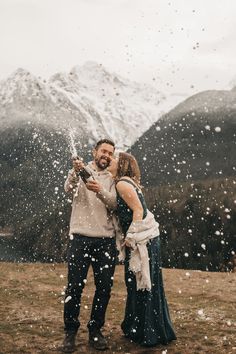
(126, 181)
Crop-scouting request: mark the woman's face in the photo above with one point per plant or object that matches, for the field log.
(112, 168)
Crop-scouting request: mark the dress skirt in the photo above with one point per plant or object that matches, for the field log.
(147, 320)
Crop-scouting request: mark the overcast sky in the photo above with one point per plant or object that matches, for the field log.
(182, 46)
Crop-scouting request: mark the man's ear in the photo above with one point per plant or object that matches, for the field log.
(94, 153)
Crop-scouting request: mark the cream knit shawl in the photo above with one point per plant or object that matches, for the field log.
(138, 234)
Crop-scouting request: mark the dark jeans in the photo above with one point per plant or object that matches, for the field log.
(101, 254)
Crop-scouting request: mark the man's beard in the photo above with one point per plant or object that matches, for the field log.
(102, 165)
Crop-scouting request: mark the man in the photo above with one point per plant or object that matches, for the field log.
(92, 243)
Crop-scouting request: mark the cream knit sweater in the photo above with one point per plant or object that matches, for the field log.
(91, 213)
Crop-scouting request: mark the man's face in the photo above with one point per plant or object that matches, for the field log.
(103, 155)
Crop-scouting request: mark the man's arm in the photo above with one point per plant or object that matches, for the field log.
(71, 181)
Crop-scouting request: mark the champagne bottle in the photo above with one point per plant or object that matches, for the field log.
(85, 175)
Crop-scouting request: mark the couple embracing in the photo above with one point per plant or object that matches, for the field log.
(107, 206)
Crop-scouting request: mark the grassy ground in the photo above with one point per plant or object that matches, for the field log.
(202, 307)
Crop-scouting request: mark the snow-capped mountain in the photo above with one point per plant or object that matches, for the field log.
(88, 99)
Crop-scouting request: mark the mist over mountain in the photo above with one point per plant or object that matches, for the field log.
(194, 141)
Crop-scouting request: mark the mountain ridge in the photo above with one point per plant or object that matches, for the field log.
(88, 98)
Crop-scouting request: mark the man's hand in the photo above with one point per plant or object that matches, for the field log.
(94, 186)
(78, 164)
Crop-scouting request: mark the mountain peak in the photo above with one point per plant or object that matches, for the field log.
(92, 72)
(89, 65)
(20, 83)
(20, 74)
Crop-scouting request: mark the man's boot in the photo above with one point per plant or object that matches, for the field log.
(68, 345)
(97, 340)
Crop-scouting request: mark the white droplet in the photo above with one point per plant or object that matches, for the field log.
(68, 298)
(217, 129)
(200, 312)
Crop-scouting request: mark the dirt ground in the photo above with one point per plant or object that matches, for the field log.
(202, 307)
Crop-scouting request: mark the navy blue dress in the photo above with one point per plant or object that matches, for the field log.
(147, 320)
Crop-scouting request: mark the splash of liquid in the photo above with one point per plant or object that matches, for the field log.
(73, 149)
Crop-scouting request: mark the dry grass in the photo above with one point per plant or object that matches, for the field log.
(202, 307)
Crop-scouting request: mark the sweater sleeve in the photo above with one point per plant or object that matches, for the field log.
(71, 181)
(108, 197)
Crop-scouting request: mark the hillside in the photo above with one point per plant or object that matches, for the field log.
(194, 141)
(197, 222)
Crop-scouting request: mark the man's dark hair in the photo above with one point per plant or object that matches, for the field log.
(104, 141)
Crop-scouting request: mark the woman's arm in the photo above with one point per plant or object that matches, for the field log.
(107, 197)
(129, 194)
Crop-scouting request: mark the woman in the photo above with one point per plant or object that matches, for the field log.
(147, 319)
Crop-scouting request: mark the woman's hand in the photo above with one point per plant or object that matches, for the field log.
(127, 244)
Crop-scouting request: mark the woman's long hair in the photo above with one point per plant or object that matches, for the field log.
(128, 166)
